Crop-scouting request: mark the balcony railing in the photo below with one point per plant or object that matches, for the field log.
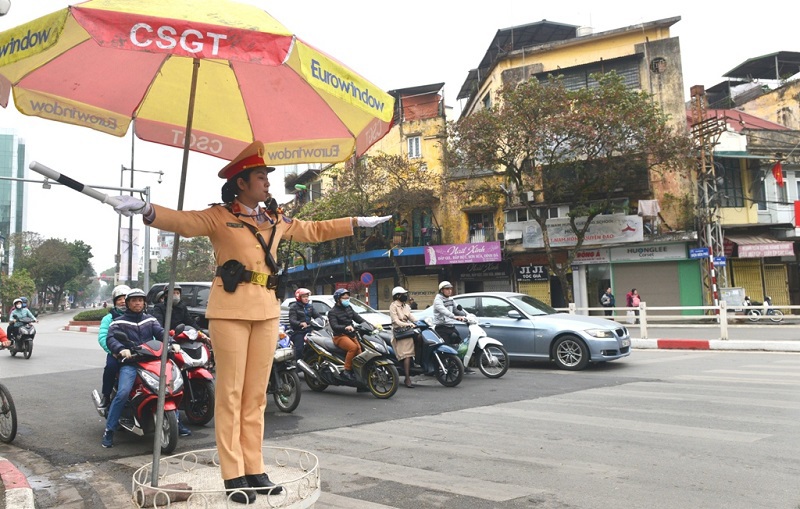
(482, 234)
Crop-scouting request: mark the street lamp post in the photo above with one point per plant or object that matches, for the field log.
(146, 267)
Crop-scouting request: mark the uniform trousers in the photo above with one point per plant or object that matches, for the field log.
(243, 351)
(351, 346)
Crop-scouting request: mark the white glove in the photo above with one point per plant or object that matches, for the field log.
(371, 221)
(130, 205)
(125, 353)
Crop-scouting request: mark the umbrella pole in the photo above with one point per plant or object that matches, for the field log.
(173, 273)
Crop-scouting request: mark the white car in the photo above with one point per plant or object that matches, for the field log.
(324, 303)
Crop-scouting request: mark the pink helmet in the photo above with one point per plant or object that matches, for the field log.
(300, 292)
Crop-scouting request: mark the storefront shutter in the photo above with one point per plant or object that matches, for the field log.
(537, 289)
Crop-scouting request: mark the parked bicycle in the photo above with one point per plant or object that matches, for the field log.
(754, 313)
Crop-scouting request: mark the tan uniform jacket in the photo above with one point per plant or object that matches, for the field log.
(232, 240)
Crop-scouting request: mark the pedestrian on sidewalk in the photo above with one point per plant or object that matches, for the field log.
(607, 301)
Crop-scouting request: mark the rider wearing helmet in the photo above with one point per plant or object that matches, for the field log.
(446, 314)
(404, 336)
(301, 312)
(20, 311)
(112, 366)
(140, 328)
(341, 318)
(180, 313)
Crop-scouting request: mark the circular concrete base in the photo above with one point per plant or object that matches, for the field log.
(192, 480)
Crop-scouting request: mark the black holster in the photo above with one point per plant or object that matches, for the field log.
(231, 274)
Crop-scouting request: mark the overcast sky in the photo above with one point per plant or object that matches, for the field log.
(394, 45)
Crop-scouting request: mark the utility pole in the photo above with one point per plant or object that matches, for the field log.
(705, 134)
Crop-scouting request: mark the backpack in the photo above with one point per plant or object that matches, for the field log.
(605, 299)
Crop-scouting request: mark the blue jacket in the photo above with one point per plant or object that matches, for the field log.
(104, 324)
(140, 328)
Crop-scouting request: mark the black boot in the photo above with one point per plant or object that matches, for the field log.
(242, 497)
(262, 481)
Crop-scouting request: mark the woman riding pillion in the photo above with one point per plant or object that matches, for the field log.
(341, 317)
(301, 312)
(405, 338)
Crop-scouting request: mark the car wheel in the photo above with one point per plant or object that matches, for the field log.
(570, 353)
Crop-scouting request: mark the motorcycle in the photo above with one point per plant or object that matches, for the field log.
(323, 363)
(22, 342)
(436, 358)
(193, 361)
(284, 382)
(139, 414)
(485, 353)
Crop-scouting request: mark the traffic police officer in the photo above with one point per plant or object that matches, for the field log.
(243, 308)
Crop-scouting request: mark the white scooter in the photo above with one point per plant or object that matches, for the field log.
(481, 351)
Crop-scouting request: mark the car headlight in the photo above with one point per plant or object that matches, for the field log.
(600, 333)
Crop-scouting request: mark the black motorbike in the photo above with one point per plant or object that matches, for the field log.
(436, 358)
(323, 363)
(284, 382)
(22, 342)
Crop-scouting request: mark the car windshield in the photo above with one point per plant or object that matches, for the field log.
(532, 306)
(360, 307)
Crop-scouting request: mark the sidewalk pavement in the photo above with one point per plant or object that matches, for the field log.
(19, 495)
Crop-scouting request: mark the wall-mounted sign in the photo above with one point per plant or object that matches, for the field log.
(478, 252)
(610, 229)
(528, 273)
(655, 252)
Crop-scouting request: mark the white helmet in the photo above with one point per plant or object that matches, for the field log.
(119, 291)
(398, 290)
(444, 284)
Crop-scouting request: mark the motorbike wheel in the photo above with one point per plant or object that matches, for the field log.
(169, 432)
(776, 315)
(753, 315)
(455, 371)
(382, 380)
(493, 361)
(287, 394)
(8, 416)
(201, 411)
(13, 349)
(28, 349)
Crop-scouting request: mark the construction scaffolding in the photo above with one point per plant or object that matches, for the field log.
(706, 131)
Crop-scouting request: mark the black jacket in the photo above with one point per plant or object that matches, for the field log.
(180, 315)
(341, 317)
(297, 315)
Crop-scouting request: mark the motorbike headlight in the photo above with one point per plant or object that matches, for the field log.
(150, 380)
(600, 333)
(177, 379)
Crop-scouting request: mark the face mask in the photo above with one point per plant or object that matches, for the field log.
(121, 309)
(345, 303)
(176, 300)
(18, 306)
(403, 298)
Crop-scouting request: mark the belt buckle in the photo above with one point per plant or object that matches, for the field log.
(258, 278)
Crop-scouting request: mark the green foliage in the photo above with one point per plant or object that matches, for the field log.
(54, 263)
(195, 262)
(19, 284)
(91, 315)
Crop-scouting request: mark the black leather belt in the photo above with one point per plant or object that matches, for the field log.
(257, 278)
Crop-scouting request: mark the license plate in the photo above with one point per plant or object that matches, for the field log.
(626, 342)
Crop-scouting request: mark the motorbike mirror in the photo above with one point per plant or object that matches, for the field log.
(122, 337)
(179, 329)
(458, 307)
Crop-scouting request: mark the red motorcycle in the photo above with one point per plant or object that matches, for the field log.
(194, 361)
(139, 414)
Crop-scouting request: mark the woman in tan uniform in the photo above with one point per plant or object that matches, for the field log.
(243, 307)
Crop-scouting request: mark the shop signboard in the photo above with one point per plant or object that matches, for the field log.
(478, 252)
(530, 273)
(657, 252)
(604, 229)
(474, 271)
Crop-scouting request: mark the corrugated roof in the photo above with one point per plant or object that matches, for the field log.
(738, 120)
(774, 66)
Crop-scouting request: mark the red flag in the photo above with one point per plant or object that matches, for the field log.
(777, 172)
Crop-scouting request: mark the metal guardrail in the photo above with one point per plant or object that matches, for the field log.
(717, 316)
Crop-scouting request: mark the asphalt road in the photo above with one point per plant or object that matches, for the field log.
(660, 429)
